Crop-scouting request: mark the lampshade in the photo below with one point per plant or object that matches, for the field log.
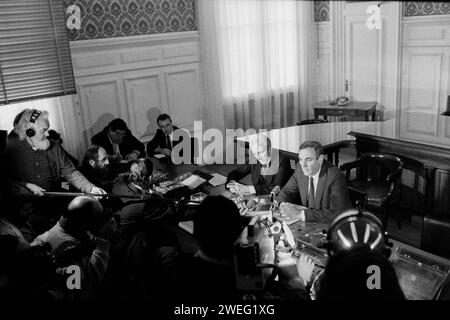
(447, 111)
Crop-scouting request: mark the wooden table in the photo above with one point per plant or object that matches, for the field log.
(353, 109)
(332, 135)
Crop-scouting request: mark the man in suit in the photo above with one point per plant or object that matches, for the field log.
(118, 142)
(167, 137)
(271, 169)
(320, 185)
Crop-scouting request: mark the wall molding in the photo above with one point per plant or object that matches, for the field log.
(137, 78)
(135, 41)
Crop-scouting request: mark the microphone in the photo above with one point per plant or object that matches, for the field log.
(275, 191)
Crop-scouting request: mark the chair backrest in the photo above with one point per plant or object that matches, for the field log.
(436, 237)
(311, 121)
(3, 137)
(358, 198)
(378, 166)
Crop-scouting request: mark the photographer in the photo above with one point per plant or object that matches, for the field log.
(82, 227)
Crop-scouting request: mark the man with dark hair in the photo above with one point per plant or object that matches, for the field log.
(319, 186)
(209, 274)
(163, 142)
(95, 167)
(119, 142)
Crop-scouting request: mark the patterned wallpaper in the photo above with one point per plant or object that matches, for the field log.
(410, 8)
(121, 18)
(321, 11)
(422, 8)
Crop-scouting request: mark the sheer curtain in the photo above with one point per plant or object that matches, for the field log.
(255, 57)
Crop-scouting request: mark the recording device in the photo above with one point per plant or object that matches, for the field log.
(355, 228)
(254, 254)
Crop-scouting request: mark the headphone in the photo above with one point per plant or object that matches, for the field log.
(30, 131)
(355, 228)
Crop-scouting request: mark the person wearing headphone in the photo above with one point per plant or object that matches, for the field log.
(37, 164)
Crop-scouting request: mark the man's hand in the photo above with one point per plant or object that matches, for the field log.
(132, 156)
(288, 234)
(290, 208)
(97, 190)
(242, 189)
(305, 267)
(37, 191)
(163, 151)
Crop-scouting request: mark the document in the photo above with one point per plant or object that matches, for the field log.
(193, 181)
(217, 179)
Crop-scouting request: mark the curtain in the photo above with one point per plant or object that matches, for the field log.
(256, 61)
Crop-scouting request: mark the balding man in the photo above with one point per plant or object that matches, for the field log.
(80, 228)
(271, 169)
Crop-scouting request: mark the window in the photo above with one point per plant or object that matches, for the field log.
(35, 59)
(258, 43)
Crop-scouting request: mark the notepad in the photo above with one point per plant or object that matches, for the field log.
(193, 181)
(217, 179)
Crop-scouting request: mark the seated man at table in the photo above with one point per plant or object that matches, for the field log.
(95, 167)
(271, 169)
(34, 165)
(166, 139)
(318, 184)
(119, 142)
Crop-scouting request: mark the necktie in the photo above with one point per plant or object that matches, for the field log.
(169, 143)
(311, 192)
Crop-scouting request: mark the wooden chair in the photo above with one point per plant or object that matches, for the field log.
(378, 176)
(358, 198)
(436, 237)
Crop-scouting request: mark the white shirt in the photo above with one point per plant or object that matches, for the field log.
(115, 146)
(315, 181)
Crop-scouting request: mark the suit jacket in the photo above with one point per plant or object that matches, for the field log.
(264, 183)
(128, 144)
(331, 196)
(160, 140)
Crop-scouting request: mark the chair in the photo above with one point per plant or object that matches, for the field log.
(436, 237)
(311, 121)
(378, 176)
(358, 198)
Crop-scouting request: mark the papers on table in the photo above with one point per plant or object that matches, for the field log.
(193, 181)
(217, 179)
(158, 155)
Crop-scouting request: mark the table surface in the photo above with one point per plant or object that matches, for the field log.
(351, 106)
(300, 229)
(289, 139)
